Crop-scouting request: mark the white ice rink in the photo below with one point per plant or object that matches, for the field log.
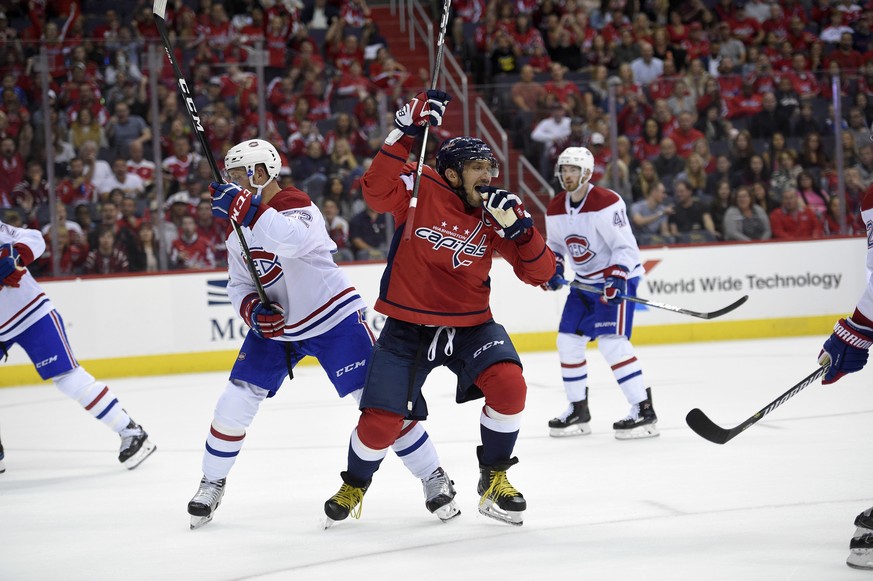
(775, 503)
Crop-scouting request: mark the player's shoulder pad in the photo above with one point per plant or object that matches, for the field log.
(600, 199)
(557, 205)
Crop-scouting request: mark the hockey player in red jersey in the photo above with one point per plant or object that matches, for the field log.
(314, 310)
(590, 225)
(435, 291)
(847, 350)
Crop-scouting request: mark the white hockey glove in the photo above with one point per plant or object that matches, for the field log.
(508, 211)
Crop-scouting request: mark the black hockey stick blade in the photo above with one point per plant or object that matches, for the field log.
(709, 430)
(665, 306)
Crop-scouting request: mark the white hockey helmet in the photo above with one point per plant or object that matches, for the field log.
(578, 157)
(249, 154)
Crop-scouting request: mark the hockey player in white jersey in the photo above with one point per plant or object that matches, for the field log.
(847, 350)
(28, 319)
(314, 310)
(589, 224)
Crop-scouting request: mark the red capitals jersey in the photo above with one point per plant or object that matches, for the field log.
(440, 276)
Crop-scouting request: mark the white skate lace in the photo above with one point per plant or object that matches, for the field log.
(437, 484)
(449, 349)
(566, 413)
(208, 492)
(128, 435)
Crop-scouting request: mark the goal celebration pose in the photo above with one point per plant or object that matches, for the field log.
(436, 294)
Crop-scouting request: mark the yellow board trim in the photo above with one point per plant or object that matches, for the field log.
(143, 365)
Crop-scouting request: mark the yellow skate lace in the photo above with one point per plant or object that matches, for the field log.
(499, 487)
(351, 498)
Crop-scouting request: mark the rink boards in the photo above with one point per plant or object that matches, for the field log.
(176, 323)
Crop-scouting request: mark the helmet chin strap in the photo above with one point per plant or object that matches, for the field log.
(259, 188)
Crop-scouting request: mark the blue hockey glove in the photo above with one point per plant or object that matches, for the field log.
(615, 285)
(508, 211)
(557, 281)
(232, 202)
(266, 321)
(847, 349)
(426, 108)
(10, 271)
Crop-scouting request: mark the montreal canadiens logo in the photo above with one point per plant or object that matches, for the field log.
(578, 248)
(267, 265)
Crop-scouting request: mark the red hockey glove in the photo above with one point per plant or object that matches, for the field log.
(266, 321)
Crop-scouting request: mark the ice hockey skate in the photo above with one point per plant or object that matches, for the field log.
(499, 499)
(347, 501)
(861, 545)
(135, 446)
(207, 500)
(573, 422)
(641, 422)
(439, 495)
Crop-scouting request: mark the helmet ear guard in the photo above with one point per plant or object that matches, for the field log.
(249, 154)
(579, 157)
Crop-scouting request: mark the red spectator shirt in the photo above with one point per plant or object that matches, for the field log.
(99, 263)
(11, 172)
(803, 224)
(196, 253)
(72, 195)
(441, 275)
(685, 140)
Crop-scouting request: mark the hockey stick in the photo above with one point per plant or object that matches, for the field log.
(441, 42)
(700, 315)
(160, 12)
(706, 428)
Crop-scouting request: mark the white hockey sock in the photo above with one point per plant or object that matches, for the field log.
(417, 451)
(234, 412)
(574, 366)
(619, 353)
(94, 396)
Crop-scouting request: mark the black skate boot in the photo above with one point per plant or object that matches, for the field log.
(573, 422)
(640, 423)
(439, 495)
(135, 446)
(861, 545)
(499, 499)
(347, 501)
(207, 500)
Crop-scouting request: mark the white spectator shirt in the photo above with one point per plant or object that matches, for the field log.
(292, 251)
(132, 185)
(22, 306)
(595, 235)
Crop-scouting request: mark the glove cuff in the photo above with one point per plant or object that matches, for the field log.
(854, 335)
(616, 271)
(247, 306)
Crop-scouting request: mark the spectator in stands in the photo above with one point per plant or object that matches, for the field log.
(746, 220)
(72, 251)
(813, 156)
(646, 68)
(865, 164)
(769, 119)
(177, 167)
(833, 216)
(86, 128)
(211, 229)
(338, 229)
(756, 172)
(319, 15)
(690, 221)
(643, 182)
(367, 234)
(189, 251)
(11, 167)
(505, 55)
(558, 87)
(701, 148)
(32, 191)
(145, 256)
(106, 258)
(648, 145)
(685, 135)
(721, 201)
(139, 165)
(123, 129)
(62, 219)
(315, 165)
(793, 221)
(836, 28)
(96, 170)
(649, 217)
(854, 189)
(806, 123)
(554, 127)
(108, 218)
(343, 161)
(682, 99)
(122, 179)
(696, 176)
(667, 163)
(305, 133)
(723, 171)
(811, 194)
(858, 126)
(731, 50)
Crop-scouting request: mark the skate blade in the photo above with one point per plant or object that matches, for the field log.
(144, 452)
(491, 510)
(574, 430)
(448, 511)
(638, 433)
(328, 522)
(860, 559)
(199, 521)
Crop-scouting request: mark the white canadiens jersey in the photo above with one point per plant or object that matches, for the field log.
(22, 306)
(291, 249)
(595, 235)
(865, 305)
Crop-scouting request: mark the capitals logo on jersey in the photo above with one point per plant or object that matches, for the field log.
(579, 249)
(442, 236)
(267, 265)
